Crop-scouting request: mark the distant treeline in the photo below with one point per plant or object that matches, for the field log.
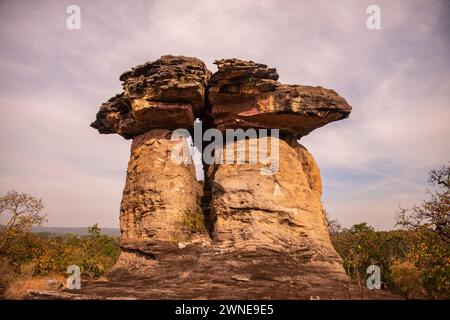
(113, 232)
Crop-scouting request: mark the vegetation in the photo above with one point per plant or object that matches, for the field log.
(414, 261)
(94, 254)
(361, 246)
(23, 211)
(430, 221)
(189, 224)
(27, 259)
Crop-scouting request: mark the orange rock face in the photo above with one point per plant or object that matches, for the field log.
(159, 195)
(245, 94)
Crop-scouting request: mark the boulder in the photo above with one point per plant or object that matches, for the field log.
(245, 94)
(168, 79)
(167, 94)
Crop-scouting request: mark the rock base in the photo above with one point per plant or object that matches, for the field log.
(198, 272)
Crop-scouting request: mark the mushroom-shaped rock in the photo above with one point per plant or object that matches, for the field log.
(257, 221)
(245, 94)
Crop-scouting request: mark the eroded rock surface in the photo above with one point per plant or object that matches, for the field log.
(161, 199)
(280, 211)
(167, 94)
(202, 272)
(244, 94)
(169, 79)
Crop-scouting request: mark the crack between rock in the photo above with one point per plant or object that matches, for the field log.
(206, 200)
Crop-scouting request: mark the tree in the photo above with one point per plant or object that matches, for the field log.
(431, 222)
(23, 211)
(431, 215)
(94, 231)
(99, 252)
(334, 227)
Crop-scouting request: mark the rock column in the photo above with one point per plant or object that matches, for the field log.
(280, 211)
(161, 198)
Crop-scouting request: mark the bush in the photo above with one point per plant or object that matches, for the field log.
(407, 279)
(192, 222)
(361, 246)
(38, 254)
(411, 261)
(432, 256)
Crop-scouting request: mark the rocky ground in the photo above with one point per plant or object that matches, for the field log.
(196, 272)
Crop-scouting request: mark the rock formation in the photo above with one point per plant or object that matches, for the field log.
(240, 233)
(246, 95)
(158, 196)
(167, 93)
(280, 212)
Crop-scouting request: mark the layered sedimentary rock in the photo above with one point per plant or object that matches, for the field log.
(277, 210)
(167, 94)
(280, 211)
(244, 94)
(169, 79)
(118, 115)
(159, 196)
(259, 224)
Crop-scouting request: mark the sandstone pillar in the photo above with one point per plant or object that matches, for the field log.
(283, 211)
(280, 212)
(160, 203)
(161, 198)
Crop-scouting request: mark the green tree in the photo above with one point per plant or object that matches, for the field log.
(94, 231)
(99, 252)
(431, 222)
(361, 246)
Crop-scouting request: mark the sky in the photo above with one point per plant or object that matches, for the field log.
(53, 80)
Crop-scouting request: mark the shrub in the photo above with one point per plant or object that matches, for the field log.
(407, 279)
(193, 222)
(37, 254)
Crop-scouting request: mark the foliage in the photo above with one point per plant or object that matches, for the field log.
(414, 260)
(361, 246)
(432, 257)
(193, 222)
(406, 279)
(23, 211)
(431, 222)
(94, 254)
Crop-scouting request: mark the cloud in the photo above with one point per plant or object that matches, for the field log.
(52, 81)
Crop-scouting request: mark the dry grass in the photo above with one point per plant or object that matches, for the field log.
(102, 279)
(18, 287)
(14, 285)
